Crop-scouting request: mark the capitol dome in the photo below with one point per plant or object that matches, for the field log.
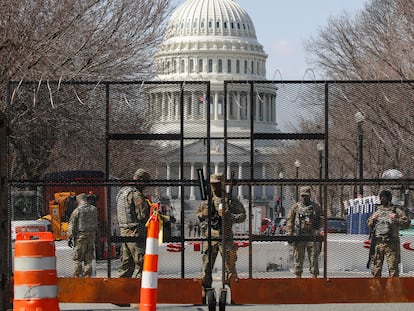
(212, 40)
(224, 18)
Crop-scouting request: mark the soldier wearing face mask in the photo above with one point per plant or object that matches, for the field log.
(385, 224)
(305, 219)
(133, 210)
(226, 211)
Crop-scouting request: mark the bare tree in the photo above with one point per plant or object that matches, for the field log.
(375, 44)
(47, 40)
(78, 39)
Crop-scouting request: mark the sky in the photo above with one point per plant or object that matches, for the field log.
(282, 26)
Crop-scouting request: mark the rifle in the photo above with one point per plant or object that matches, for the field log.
(203, 188)
(371, 246)
(230, 193)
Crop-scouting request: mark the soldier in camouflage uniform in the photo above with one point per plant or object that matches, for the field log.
(133, 210)
(223, 211)
(386, 222)
(83, 226)
(305, 219)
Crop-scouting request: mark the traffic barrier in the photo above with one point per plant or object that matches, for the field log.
(35, 277)
(407, 246)
(174, 247)
(149, 281)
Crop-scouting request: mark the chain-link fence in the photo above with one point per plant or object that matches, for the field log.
(346, 140)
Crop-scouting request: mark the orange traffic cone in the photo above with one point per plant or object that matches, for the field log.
(149, 281)
(35, 277)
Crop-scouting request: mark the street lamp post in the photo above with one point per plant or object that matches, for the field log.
(320, 147)
(281, 196)
(297, 165)
(359, 117)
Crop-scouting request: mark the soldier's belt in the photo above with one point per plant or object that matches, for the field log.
(128, 226)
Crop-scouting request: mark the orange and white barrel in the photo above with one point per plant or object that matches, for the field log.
(149, 281)
(35, 276)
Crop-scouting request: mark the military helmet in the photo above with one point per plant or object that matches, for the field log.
(386, 193)
(305, 190)
(141, 174)
(216, 178)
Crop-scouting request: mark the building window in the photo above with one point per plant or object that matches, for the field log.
(191, 65)
(229, 66)
(182, 69)
(200, 65)
(232, 25)
(237, 66)
(225, 25)
(231, 106)
(217, 24)
(245, 66)
(210, 24)
(202, 24)
(252, 67)
(220, 66)
(210, 65)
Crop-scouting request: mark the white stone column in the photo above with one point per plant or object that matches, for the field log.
(215, 105)
(168, 173)
(186, 104)
(192, 188)
(163, 106)
(238, 106)
(206, 174)
(240, 187)
(177, 104)
(194, 107)
(248, 106)
(263, 176)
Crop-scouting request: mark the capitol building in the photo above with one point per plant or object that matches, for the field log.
(215, 41)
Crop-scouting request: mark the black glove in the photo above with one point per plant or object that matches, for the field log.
(70, 243)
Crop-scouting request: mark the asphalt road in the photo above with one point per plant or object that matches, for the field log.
(301, 307)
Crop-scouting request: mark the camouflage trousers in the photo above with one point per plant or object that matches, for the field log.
(313, 250)
(83, 254)
(132, 255)
(390, 251)
(230, 262)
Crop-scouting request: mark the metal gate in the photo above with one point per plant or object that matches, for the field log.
(91, 136)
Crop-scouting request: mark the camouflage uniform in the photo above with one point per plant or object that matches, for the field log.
(233, 212)
(387, 221)
(83, 225)
(305, 220)
(133, 211)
